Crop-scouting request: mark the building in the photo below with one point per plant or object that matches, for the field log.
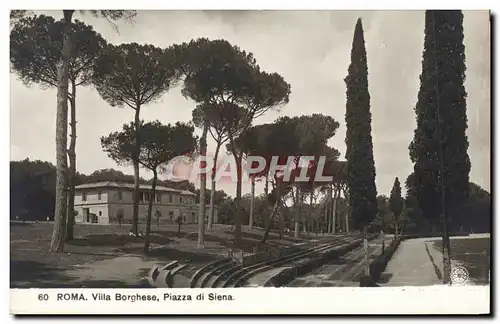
(111, 202)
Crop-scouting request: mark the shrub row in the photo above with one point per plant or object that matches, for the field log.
(430, 234)
(380, 263)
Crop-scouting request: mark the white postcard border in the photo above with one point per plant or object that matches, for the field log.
(262, 301)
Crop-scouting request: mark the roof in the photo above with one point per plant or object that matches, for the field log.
(113, 184)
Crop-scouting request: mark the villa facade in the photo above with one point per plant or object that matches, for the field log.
(111, 202)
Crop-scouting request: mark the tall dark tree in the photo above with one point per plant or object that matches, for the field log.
(439, 146)
(36, 47)
(63, 68)
(134, 75)
(158, 144)
(359, 151)
(396, 204)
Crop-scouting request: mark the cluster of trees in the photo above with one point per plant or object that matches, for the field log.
(32, 190)
(223, 80)
(440, 184)
(230, 92)
(438, 190)
(59, 54)
(32, 187)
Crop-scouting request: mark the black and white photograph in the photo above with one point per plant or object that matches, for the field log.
(157, 152)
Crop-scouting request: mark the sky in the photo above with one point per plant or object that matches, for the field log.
(310, 49)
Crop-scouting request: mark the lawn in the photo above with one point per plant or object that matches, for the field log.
(30, 259)
(474, 253)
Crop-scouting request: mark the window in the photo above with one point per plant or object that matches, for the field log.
(169, 198)
(146, 196)
(120, 195)
(99, 194)
(84, 196)
(180, 200)
(141, 196)
(158, 198)
(100, 213)
(171, 215)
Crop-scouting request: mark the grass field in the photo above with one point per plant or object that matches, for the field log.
(30, 259)
(474, 254)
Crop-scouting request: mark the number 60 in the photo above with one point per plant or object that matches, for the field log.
(43, 297)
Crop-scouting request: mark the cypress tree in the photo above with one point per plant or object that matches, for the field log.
(396, 204)
(439, 147)
(359, 152)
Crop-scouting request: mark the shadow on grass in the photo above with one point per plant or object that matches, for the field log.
(384, 278)
(474, 254)
(110, 284)
(18, 224)
(30, 274)
(168, 233)
(96, 254)
(105, 240)
(341, 261)
(272, 236)
(436, 269)
(116, 240)
(247, 243)
(174, 254)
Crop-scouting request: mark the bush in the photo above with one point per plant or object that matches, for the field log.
(431, 234)
(380, 263)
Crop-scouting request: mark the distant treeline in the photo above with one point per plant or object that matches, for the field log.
(32, 187)
(32, 197)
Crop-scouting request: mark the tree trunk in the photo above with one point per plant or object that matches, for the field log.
(281, 218)
(135, 205)
(346, 196)
(273, 214)
(365, 248)
(266, 186)
(179, 223)
(446, 252)
(347, 221)
(61, 201)
(211, 212)
(334, 209)
(296, 232)
(203, 186)
(252, 202)
(72, 165)
(303, 218)
(237, 200)
(383, 241)
(327, 207)
(309, 221)
(396, 233)
(150, 211)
